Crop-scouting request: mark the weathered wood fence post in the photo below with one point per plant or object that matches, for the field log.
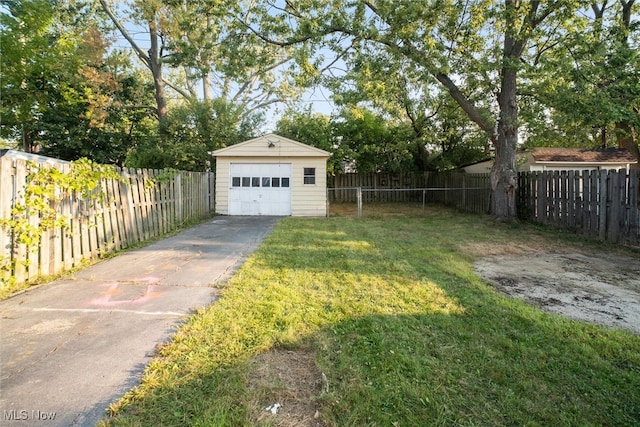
(602, 205)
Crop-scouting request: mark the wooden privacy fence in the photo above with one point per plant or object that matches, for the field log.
(465, 191)
(601, 204)
(143, 204)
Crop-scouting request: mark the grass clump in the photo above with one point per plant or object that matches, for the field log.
(382, 321)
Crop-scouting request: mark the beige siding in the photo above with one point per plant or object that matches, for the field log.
(576, 167)
(270, 146)
(222, 186)
(262, 150)
(306, 199)
(309, 199)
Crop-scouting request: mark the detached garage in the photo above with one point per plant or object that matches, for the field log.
(271, 175)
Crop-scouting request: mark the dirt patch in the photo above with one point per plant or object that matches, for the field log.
(286, 384)
(600, 288)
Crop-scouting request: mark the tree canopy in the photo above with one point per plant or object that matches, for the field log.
(416, 85)
(480, 53)
(62, 94)
(586, 91)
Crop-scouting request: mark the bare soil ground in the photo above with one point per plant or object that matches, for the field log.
(286, 384)
(602, 288)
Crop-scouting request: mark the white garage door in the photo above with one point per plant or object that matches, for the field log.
(260, 189)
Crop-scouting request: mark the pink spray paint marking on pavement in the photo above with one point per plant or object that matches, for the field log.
(105, 300)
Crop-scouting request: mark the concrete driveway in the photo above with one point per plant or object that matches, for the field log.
(72, 347)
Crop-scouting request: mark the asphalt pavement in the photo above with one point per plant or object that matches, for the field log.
(70, 348)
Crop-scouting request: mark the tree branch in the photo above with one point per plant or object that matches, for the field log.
(268, 40)
(181, 91)
(264, 104)
(337, 58)
(141, 53)
(410, 51)
(626, 12)
(488, 126)
(250, 80)
(598, 12)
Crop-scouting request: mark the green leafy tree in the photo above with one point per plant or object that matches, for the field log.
(442, 136)
(202, 50)
(315, 129)
(62, 94)
(587, 90)
(190, 132)
(373, 143)
(33, 55)
(209, 43)
(456, 45)
(450, 140)
(222, 74)
(128, 121)
(151, 13)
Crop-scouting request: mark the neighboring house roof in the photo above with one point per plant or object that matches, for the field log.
(488, 159)
(23, 155)
(583, 155)
(552, 158)
(276, 146)
(482, 166)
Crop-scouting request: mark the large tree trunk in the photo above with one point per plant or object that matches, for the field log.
(155, 65)
(151, 58)
(207, 89)
(504, 177)
(206, 73)
(27, 140)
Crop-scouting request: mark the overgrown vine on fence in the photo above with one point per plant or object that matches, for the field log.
(164, 177)
(45, 189)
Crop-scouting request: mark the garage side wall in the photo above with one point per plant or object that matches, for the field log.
(222, 185)
(309, 199)
(306, 199)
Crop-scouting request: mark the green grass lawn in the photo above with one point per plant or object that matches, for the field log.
(381, 321)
